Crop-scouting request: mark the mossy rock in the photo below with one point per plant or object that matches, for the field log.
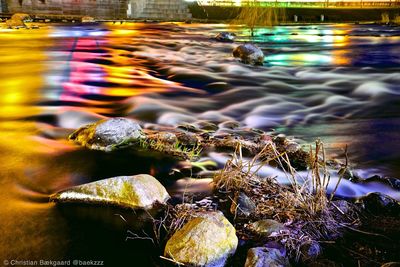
(139, 192)
(109, 134)
(207, 240)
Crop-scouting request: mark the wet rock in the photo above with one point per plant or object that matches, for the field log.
(280, 139)
(17, 20)
(139, 192)
(242, 205)
(218, 86)
(390, 181)
(225, 37)
(299, 160)
(229, 125)
(394, 183)
(109, 134)
(207, 240)
(263, 256)
(266, 227)
(188, 128)
(249, 54)
(207, 126)
(310, 251)
(187, 139)
(378, 203)
(292, 146)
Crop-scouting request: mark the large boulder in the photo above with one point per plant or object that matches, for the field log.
(17, 20)
(139, 192)
(207, 240)
(249, 54)
(264, 256)
(108, 134)
(378, 203)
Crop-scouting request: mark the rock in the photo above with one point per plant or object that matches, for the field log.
(108, 134)
(207, 126)
(263, 256)
(242, 205)
(87, 19)
(225, 37)
(218, 87)
(17, 20)
(188, 128)
(187, 138)
(310, 251)
(229, 125)
(139, 192)
(207, 240)
(379, 204)
(280, 139)
(292, 146)
(266, 227)
(249, 54)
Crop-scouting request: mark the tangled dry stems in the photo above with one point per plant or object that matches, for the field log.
(303, 206)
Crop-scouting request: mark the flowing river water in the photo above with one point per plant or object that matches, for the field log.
(336, 82)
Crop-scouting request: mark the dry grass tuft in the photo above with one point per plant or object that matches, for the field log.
(176, 149)
(304, 207)
(175, 218)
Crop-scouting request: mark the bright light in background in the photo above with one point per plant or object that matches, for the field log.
(292, 3)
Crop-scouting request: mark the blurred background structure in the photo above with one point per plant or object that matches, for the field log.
(183, 10)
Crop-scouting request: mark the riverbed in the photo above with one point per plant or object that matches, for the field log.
(339, 83)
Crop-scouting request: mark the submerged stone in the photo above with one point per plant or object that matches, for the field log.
(207, 240)
(263, 256)
(139, 192)
(249, 54)
(108, 134)
(225, 37)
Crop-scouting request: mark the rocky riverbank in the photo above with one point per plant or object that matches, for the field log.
(250, 220)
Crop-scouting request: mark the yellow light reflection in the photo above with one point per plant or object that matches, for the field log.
(20, 68)
(22, 57)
